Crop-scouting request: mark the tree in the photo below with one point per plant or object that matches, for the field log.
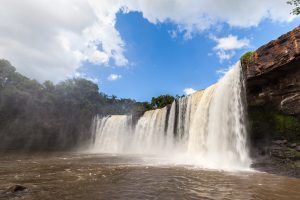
(49, 86)
(296, 3)
(162, 101)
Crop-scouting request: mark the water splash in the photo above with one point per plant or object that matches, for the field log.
(206, 128)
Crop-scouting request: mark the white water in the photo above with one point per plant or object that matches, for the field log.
(206, 128)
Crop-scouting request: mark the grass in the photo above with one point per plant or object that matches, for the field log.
(246, 57)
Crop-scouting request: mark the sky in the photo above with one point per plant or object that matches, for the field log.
(137, 48)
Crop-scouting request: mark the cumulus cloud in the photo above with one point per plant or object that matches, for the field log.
(231, 42)
(83, 75)
(226, 46)
(193, 16)
(189, 91)
(114, 77)
(51, 39)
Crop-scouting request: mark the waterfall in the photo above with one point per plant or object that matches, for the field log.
(206, 128)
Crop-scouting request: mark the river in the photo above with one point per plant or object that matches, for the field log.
(107, 176)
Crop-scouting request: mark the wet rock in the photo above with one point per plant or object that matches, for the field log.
(275, 147)
(297, 148)
(13, 192)
(280, 142)
(293, 145)
(15, 188)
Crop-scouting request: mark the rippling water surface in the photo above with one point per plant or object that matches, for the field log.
(88, 176)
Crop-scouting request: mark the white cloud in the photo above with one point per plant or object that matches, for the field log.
(82, 75)
(225, 55)
(114, 77)
(192, 16)
(231, 42)
(50, 39)
(173, 33)
(189, 91)
(226, 46)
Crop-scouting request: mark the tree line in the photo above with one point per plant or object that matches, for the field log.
(48, 116)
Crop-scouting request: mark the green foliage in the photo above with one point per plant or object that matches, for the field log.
(178, 96)
(162, 101)
(293, 154)
(268, 124)
(48, 116)
(286, 124)
(296, 4)
(297, 164)
(246, 56)
(147, 105)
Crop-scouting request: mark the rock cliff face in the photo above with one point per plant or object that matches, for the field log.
(273, 94)
(273, 74)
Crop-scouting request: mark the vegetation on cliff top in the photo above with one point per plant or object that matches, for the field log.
(245, 58)
(162, 101)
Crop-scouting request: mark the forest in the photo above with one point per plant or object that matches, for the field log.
(35, 116)
(48, 116)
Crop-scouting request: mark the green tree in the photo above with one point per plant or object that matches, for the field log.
(296, 4)
(162, 101)
(49, 86)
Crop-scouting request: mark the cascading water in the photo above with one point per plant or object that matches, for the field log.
(206, 128)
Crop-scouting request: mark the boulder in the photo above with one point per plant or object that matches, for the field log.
(15, 188)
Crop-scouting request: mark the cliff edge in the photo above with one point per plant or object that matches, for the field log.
(272, 76)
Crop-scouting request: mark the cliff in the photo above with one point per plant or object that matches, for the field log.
(272, 76)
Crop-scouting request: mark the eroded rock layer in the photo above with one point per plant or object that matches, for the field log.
(273, 74)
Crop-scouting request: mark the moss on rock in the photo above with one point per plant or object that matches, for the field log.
(267, 124)
(293, 154)
(287, 125)
(246, 57)
(297, 164)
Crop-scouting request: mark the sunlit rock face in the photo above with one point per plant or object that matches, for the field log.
(273, 74)
(206, 128)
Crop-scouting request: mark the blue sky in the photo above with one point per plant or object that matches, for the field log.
(162, 64)
(137, 48)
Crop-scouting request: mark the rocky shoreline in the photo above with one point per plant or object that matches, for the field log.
(281, 158)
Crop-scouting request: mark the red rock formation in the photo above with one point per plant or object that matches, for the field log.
(273, 74)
